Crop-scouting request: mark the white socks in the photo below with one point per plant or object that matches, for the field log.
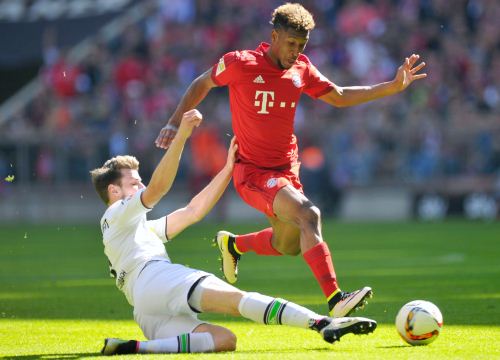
(273, 311)
(254, 306)
(185, 343)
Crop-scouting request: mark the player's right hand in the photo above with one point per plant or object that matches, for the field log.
(166, 135)
(190, 120)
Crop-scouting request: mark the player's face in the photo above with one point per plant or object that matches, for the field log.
(287, 45)
(131, 182)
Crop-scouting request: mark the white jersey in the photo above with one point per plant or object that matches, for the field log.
(130, 240)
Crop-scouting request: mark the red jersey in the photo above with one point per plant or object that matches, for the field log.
(263, 99)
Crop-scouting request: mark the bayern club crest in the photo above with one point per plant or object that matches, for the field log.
(297, 81)
(272, 182)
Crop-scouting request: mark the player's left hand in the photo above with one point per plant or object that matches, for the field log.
(408, 72)
(231, 153)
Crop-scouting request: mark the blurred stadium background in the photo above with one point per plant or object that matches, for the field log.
(84, 80)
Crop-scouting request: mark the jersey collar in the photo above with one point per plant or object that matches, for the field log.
(263, 48)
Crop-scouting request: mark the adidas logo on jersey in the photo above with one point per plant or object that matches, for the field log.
(259, 80)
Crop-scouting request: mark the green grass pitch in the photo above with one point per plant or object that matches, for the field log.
(57, 301)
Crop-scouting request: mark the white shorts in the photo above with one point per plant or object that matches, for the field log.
(161, 300)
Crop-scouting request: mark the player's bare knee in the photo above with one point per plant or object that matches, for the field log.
(309, 215)
(224, 340)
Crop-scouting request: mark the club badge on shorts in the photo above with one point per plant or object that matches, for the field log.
(120, 280)
(272, 182)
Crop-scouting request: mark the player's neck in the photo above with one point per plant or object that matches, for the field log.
(113, 200)
(273, 58)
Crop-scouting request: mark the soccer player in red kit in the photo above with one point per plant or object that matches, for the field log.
(265, 85)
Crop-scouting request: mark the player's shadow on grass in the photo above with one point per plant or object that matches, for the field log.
(257, 352)
(84, 355)
(52, 356)
(393, 347)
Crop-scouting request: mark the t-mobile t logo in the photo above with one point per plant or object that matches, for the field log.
(264, 99)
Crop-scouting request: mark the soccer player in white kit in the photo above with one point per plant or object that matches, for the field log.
(167, 297)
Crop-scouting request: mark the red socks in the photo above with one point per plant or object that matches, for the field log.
(318, 257)
(259, 242)
(320, 261)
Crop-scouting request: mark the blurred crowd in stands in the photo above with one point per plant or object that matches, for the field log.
(117, 98)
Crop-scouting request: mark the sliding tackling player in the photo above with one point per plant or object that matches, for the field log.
(166, 296)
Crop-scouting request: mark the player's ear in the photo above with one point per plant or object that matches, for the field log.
(113, 189)
(274, 35)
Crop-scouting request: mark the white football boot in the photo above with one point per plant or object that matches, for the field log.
(351, 301)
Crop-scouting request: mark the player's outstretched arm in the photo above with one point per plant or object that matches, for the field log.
(194, 95)
(164, 174)
(354, 95)
(205, 200)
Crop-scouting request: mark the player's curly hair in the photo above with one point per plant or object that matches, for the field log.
(292, 16)
(110, 173)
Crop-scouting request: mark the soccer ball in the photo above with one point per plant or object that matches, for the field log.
(419, 322)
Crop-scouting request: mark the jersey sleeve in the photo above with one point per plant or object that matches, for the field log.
(227, 69)
(317, 84)
(159, 228)
(129, 210)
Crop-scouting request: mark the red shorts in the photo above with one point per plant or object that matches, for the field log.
(258, 186)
